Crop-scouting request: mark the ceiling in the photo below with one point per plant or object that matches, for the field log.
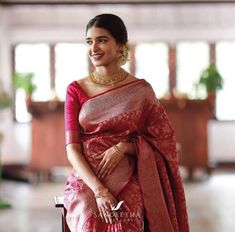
(67, 2)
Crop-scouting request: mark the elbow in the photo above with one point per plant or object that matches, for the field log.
(73, 146)
(72, 149)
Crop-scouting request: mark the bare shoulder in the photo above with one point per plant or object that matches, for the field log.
(131, 78)
(88, 86)
(83, 81)
(85, 84)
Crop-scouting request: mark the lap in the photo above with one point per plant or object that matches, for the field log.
(131, 213)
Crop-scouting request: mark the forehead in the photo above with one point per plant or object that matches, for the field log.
(95, 32)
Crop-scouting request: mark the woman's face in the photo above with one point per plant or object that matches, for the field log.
(103, 50)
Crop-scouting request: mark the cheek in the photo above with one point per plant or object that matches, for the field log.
(113, 52)
(89, 51)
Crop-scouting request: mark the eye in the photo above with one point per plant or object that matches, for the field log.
(89, 42)
(102, 40)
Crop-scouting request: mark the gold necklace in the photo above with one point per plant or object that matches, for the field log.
(108, 80)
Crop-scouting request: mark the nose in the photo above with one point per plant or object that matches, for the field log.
(95, 46)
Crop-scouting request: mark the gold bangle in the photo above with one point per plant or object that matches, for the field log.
(102, 193)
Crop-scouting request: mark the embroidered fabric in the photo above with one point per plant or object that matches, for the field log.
(149, 182)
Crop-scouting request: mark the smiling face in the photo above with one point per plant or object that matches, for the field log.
(103, 50)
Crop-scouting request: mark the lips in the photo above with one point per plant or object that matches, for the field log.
(97, 56)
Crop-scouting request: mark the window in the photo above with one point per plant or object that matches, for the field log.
(225, 62)
(152, 65)
(71, 64)
(192, 58)
(32, 58)
(55, 66)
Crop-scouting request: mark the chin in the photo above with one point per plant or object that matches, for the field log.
(99, 64)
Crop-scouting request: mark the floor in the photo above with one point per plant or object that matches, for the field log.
(211, 205)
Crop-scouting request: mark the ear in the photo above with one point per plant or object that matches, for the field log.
(120, 47)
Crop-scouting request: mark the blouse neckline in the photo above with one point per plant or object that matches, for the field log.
(106, 91)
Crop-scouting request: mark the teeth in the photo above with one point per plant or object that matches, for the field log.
(97, 56)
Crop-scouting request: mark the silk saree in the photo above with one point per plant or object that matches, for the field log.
(148, 182)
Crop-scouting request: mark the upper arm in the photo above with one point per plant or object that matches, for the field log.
(71, 112)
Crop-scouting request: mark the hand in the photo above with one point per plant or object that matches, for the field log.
(111, 158)
(104, 204)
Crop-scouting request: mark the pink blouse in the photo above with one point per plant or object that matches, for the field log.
(75, 97)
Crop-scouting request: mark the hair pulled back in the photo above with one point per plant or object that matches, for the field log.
(113, 24)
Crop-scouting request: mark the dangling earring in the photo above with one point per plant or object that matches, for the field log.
(124, 55)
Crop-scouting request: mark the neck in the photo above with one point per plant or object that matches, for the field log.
(107, 72)
(108, 79)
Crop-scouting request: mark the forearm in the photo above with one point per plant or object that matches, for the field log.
(82, 167)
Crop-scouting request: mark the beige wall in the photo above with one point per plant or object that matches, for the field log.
(145, 22)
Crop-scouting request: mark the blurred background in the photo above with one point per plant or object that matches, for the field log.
(185, 49)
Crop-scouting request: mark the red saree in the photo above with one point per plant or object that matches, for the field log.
(149, 183)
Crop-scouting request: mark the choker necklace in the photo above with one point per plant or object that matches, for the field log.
(108, 80)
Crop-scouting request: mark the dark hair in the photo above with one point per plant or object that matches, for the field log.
(113, 24)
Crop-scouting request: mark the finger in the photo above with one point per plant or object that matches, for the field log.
(109, 214)
(105, 162)
(100, 156)
(108, 170)
(102, 163)
(104, 169)
(112, 168)
(114, 213)
(111, 217)
(101, 215)
(104, 173)
(100, 174)
(104, 215)
(107, 167)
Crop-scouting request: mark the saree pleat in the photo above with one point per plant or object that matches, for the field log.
(148, 182)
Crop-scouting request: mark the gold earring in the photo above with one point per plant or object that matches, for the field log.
(124, 55)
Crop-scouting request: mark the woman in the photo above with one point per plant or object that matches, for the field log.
(120, 144)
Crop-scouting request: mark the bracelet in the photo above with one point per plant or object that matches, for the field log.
(102, 193)
(118, 150)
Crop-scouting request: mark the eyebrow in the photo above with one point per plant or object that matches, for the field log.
(99, 37)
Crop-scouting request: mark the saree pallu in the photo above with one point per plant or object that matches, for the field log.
(149, 182)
